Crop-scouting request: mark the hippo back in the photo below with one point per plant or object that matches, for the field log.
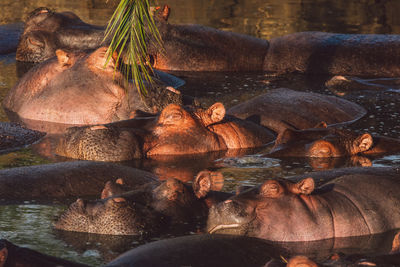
(346, 54)
(284, 108)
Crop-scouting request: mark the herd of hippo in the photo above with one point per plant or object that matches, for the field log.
(104, 119)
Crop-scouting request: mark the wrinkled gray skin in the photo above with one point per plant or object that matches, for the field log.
(144, 209)
(350, 205)
(283, 108)
(65, 180)
(13, 136)
(46, 31)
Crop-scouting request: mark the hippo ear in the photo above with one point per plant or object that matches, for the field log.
(395, 244)
(120, 181)
(3, 256)
(271, 189)
(322, 125)
(163, 12)
(284, 137)
(206, 181)
(363, 142)
(216, 112)
(305, 187)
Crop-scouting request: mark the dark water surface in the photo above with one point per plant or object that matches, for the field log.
(29, 224)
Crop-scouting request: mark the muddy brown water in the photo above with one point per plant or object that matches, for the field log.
(29, 224)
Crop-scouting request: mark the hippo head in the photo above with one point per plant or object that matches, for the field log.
(262, 211)
(99, 143)
(320, 143)
(112, 216)
(122, 211)
(46, 31)
(182, 131)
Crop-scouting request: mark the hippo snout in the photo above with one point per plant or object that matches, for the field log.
(228, 217)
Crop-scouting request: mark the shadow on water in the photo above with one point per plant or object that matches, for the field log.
(30, 224)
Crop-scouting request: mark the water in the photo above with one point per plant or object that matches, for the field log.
(29, 224)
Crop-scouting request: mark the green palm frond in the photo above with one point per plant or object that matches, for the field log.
(130, 26)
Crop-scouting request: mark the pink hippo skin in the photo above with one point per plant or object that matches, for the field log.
(77, 89)
(176, 131)
(331, 142)
(355, 204)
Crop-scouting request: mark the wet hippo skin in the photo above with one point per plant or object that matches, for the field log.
(176, 131)
(148, 209)
(350, 205)
(13, 136)
(65, 180)
(74, 88)
(331, 142)
(284, 108)
(200, 48)
(46, 31)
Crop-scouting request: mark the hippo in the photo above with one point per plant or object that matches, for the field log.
(207, 250)
(13, 136)
(176, 131)
(283, 108)
(331, 142)
(206, 49)
(146, 209)
(353, 204)
(47, 31)
(65, 180)
(203, 48)
(75, 88)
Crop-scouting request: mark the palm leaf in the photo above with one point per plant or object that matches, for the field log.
(130, 26)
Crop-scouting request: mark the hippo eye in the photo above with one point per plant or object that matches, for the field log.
(172, 118)
(321, 149)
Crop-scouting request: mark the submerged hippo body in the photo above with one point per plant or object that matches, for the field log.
(355, 204)
(13, 136)
(282, 108)
(176, 131)
(145, 209)
(207, 49)
(76, 88)
(331, 53)
(46, 31)
(331, 142)
(65, 180)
